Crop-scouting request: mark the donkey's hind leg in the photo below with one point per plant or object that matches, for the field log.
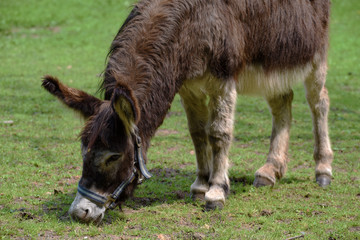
(195, 105)
(276, 164)
(221, 106)
(317, 97)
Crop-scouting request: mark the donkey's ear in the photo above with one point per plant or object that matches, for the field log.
(126, 106)
(78, 100)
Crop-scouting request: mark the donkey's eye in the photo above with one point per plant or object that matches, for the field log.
(113, 158)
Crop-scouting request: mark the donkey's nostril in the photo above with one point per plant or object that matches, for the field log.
(86, 212)
(81, 214)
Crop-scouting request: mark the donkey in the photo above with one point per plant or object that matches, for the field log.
(208, 52)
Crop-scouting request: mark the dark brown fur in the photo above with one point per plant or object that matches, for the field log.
(153, 55)
(165, 42)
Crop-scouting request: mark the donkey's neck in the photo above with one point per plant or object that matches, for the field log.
(155, 94)
(151, 54)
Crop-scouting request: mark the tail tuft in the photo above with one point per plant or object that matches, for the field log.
(51, 84)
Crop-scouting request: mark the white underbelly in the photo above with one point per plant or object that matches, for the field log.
(253, 80)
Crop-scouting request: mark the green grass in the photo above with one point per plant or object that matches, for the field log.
(40, 162)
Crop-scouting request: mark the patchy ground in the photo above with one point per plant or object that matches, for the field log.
(40, 158)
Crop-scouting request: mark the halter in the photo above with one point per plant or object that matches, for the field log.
(139, 169)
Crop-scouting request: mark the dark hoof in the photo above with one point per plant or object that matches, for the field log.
(214, 205)
(198, 197)
(323, 180)
(262, 182)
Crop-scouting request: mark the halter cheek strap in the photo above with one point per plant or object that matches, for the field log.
(139, 159)
(139, 169)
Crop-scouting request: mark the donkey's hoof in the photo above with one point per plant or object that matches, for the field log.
(323, 180)
(198, 196)
(214, 205)
(262, 182)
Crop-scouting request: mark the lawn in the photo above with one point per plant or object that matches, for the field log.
(40, 162)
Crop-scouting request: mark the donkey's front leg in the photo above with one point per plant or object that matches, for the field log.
(195, 106)
(221, 106)
(276, 164)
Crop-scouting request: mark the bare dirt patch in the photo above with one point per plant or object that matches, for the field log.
(49, 235)
(184, 165)
(181, 194)
(165, 172)
(242, 180)
(26, 216)
(140, 202)
(69, 181)
(250, 226)
(355, 229)
(169, 114)
(266, 213)
(192, 235)
(165, 132)
(301, 166)
(172, 149)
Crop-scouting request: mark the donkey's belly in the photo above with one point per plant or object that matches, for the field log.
(253, 80)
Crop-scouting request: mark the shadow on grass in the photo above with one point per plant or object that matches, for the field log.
(292, 180)
(168, 186)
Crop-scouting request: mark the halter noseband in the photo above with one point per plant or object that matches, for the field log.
(139, 169)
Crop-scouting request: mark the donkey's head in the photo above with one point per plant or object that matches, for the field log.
(111, 154)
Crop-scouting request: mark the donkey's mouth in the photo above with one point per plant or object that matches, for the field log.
(85, 211)
(86, 218)
(99, 219)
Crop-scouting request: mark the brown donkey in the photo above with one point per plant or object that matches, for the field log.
(207, 51)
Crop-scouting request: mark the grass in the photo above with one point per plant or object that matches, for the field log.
(40, 152)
